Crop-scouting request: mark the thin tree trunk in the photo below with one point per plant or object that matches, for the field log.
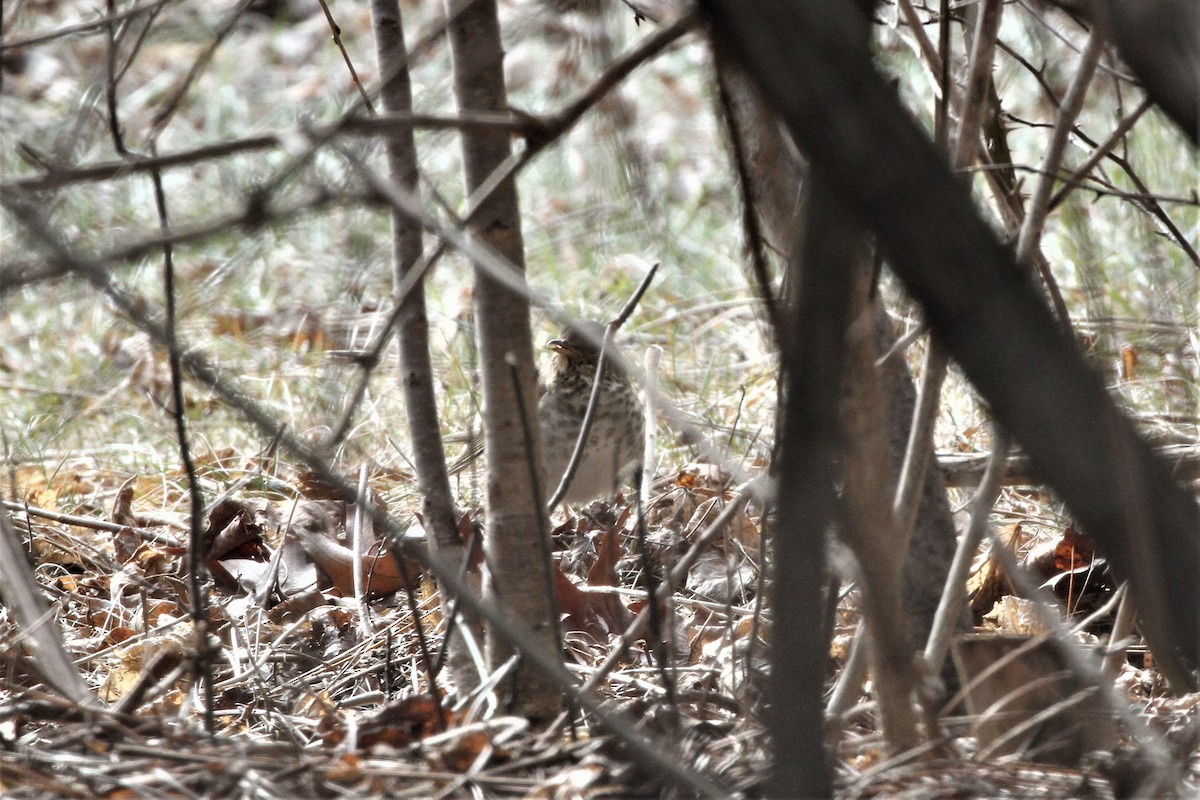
(866, 522)
(416, 371)
(813, 345)
(775, 171)
(877, 412)
(516, 543)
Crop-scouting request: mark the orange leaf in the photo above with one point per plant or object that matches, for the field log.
(596, 614)
(1074, 550)
(1129, 361)
(381, 573)
(403, 722)
(465, 751)
(604, 571)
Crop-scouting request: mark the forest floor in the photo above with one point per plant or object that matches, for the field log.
(320, 678)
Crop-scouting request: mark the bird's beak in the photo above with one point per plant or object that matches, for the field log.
(561, 346)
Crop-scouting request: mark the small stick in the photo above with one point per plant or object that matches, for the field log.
(594, 399)
(548, 562)
(649, 443)
(675, 577)
(358, 546)
(164, 539)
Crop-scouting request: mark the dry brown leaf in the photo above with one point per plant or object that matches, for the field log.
(603, 571)
(464, 751)
(740, 530)
(44, 497)
(703, 477)
(314, 527)
(596, 614)
(400, 723)
(313, 487)
(1129, 362)
(127, 546)
(236, 527)
(122, 511)
(1073, 550)
(295, 607)
(719, 577)
(147, 652)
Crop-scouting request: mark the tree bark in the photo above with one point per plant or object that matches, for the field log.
(516, 542)
(416, 371)
(866, 523)
(813, 345)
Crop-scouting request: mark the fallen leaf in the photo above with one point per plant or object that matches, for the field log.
(315, 528)
(596, 614)
(603, 571)
(463, 752)
(1016, 615)
(719, 577)
(400, 723)
(1073, 550)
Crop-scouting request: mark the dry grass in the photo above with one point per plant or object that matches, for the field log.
(279, 307)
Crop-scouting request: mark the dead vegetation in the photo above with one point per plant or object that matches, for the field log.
(233, 139)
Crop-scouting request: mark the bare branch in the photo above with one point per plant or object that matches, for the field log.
(91, 26)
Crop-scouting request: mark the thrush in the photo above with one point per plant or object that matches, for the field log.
(613, 449)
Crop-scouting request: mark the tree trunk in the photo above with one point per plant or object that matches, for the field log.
(813, 347)
(416, 371)
(775, 171)
(516, 543)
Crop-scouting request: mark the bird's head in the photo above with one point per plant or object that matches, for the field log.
(577, 345)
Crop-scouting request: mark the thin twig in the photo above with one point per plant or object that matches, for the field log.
(1038, 207)
(555, 127)
(1086, 666)
(27, 607)
(950, 606)
(336, 31)
(675, 578)
(589, 413)
(18, 274)
(658, 646)
(911, 479)
(372, 357)
(1070, 44)
(750, 224)
(543, 521)
(167, 110)
(1150, 206)
(503, 272)
(941, 112)
(380, 125)
(202, 666)
(1076, 178)
(110, 84)
(163, 539)
(32, 39)
(979, 76)
(423, 44)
